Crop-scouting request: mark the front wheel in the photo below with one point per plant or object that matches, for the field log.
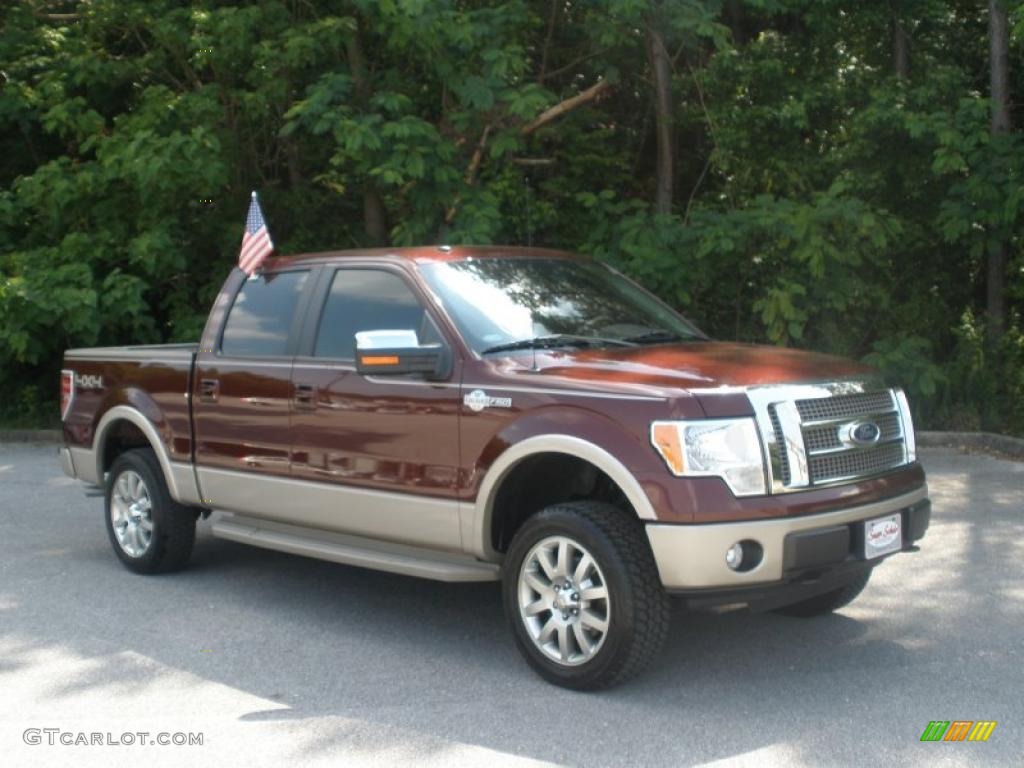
(583, 596)
(150, 531)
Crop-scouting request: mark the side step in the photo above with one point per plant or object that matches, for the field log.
(353, 550)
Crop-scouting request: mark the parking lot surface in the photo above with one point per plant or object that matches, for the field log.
(276, 659)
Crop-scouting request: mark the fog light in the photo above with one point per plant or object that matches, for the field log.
(744, 556)
(734, 556)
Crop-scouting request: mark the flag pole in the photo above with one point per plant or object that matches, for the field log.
(257, 244)
(253, 199)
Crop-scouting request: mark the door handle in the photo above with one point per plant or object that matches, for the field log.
(209, 390)
(305, 396)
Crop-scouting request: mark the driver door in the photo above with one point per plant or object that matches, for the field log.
(383, 452)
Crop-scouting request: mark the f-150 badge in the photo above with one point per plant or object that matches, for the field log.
(477, 400)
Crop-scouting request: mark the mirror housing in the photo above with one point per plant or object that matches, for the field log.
(395, 353)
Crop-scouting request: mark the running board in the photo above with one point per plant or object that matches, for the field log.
(353, 550)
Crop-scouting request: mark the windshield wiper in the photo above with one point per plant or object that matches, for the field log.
(657, 336)
(556, 340)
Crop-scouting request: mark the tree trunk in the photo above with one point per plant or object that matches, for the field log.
(292, 162)
(998, 250)
(998, 253)
(900, 49)
(736, 19)
(375, 215)
(661, 70)
(999, 55)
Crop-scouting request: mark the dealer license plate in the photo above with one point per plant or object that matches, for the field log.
(882, 536)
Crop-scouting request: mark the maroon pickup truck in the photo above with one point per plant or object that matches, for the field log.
(529, 416)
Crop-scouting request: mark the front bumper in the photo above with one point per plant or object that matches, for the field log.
(692, 557)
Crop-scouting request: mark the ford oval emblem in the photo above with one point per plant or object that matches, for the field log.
(862, 433)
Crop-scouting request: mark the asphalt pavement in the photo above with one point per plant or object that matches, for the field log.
(276, 659)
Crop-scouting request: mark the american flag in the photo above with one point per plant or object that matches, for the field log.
(256, 242)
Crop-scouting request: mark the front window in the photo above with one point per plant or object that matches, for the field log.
(369, 300)
(508, 303)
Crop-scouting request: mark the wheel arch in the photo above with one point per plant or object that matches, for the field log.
(512, 458)
(179, 477)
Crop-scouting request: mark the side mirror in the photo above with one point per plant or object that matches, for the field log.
(392, 353)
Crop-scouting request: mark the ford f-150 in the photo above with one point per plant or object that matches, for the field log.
(493, 413)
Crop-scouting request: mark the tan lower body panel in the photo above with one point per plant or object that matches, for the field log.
(83, 462)
(353, 550)
(67, 464)
(419, 521)
(693, 556)
(80, 463)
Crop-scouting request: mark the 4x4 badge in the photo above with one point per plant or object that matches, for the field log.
(477, 400)
(88, 381)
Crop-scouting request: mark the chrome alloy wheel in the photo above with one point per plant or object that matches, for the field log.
(131, 513)
(563, 600)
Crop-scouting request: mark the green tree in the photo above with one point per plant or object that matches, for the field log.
(841, 176)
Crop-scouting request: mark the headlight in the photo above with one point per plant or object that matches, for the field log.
(908, 426)
(726, 448)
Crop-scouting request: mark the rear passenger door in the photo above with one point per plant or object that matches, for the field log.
(383, 449)
(242, 391)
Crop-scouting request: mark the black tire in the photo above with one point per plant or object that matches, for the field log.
(827, 602)
(173, 524)
(638, 608)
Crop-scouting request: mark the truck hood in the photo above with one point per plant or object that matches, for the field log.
(687, 366)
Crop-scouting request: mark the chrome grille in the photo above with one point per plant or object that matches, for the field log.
(826, 437)
(807, 430)
(780, 437)
(861, 462)
(829, 459)
(845, 406)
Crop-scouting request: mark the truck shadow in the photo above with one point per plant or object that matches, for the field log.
(447, 646)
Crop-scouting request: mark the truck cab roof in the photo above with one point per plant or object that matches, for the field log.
(423, 254)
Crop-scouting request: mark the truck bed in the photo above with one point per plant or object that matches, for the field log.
(153, 379)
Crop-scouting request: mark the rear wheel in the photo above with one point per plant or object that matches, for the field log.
(150, 531)
(583, 596)
(828, 602)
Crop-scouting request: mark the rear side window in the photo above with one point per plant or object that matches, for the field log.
(369, 300)
(260, 319)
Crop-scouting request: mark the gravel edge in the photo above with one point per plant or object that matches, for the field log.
(29, 436)
(1002, 446)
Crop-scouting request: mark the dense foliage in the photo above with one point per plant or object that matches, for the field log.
(805, 172)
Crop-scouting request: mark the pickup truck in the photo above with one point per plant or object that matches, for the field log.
(497, 413)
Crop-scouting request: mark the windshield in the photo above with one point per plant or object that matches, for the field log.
(520, 303)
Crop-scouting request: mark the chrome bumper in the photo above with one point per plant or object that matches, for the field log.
(693, 556)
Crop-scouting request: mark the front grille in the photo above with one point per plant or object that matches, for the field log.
(844, 406)
(809, 431)
(829, 459)
(859, 462)
(780, 438)
(826, 436)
